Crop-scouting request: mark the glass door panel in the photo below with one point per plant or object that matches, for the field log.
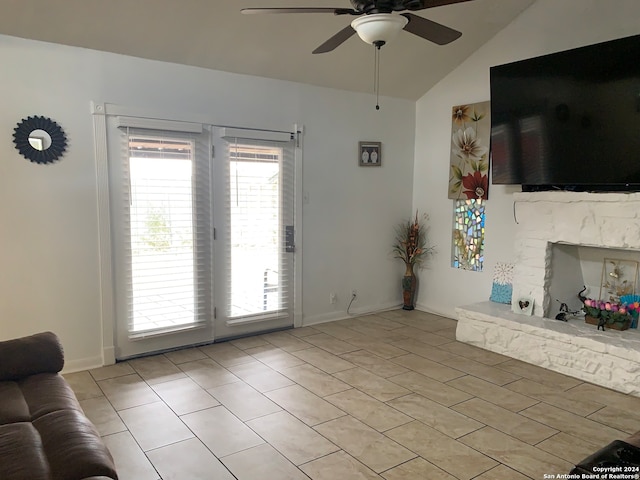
(162, 235)
(259, 206)
(162, 247)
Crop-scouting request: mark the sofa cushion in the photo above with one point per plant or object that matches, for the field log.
(26, 356)
(47, 392)
(13, 407)
(32, 397)
(22, 453)
(73, 446)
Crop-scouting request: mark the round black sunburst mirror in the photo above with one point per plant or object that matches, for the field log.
(40, 139)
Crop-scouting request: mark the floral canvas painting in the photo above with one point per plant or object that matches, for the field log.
(470, 134)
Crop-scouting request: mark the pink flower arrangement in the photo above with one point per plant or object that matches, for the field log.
(611, 312)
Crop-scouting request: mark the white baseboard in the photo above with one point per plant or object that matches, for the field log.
(108, 358)
(109, 355)
(437, 311)
(354, 312)
(72, 366)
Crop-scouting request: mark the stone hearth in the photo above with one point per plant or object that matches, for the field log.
(544, 219)
(610, 358)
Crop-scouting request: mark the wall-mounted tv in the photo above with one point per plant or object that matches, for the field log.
(569, 120)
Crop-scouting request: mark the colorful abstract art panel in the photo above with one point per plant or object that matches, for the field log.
(470, 134)
(468, 235)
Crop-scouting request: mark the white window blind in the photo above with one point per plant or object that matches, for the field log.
(167, 225)
(260, 208)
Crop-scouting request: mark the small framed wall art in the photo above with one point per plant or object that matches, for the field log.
(523, 305)
(369, 154)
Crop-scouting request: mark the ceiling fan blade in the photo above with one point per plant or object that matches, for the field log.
(434, 3)
(429, 30)
(335, 11)
(338, 39)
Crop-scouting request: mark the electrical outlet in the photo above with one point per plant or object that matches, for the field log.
(333, 298)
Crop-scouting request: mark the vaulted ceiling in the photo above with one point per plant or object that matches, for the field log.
(214, 34)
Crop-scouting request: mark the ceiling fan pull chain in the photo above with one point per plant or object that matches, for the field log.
(377, 75)
(375, 69)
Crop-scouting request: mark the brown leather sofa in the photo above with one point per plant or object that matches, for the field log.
(44, 433)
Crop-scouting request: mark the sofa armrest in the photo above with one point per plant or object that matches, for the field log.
(39, 353)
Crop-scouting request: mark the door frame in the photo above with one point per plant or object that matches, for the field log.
(99, 112)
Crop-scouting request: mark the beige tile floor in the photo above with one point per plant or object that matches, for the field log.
(389, 396)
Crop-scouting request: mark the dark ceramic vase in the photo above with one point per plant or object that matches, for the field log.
(409, 284)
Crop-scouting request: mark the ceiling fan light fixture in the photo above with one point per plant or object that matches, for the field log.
(379, 27)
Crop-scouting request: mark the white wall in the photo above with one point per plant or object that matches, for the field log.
(49, 260)
(545, 27)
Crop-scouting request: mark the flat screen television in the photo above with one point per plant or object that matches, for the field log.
(569, 120)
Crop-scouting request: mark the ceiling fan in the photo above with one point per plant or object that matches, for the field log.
(376, 22)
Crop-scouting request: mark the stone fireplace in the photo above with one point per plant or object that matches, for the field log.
(554, 229)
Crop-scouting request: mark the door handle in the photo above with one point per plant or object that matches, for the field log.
(289, 239)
